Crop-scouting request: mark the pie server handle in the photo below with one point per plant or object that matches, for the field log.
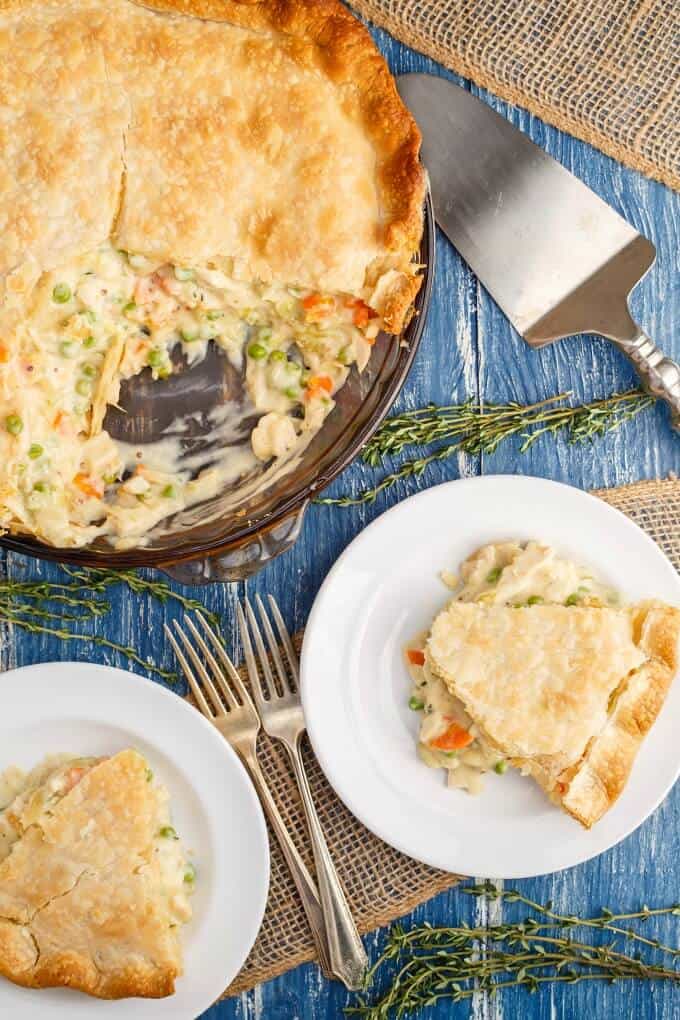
(660, 375)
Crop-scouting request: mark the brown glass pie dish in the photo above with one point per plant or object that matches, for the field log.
(204, 544)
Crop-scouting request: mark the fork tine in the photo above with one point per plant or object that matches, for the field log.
(251, 665)
(226, 661)
(218, 674)
(262, 653)
(189, 674)
(201, 670)
(285, 639)
(273, 646)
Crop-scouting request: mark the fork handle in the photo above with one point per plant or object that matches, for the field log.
(348, 957)
(304, 883)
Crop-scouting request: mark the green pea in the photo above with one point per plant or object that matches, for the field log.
(416, 704)
(41, 487)
(213, 314)
(278, 356)
(169, 492)
(501, 767)
(83, 387)
(573, 599)
(89, 341)
(535, 600)
(163, 373)
(188, 335)
(61, 293)
(155, 358)
(89, 370)
(110, 479)
(292, 392)
(14, 424)
(35, 450)
(190, 874)
(130, 306)
(493, 575)
(67, 349)
(167, 832)
(257, 352)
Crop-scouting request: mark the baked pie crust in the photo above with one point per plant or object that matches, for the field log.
(564, 693)
(85, 901)
(185, 172)
(267, 132)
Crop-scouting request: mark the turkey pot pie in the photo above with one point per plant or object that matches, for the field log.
(536, 664)
(94, 883)
(175, 173)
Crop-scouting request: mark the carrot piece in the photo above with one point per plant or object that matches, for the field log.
(4, 354)
(317, 306)
(452, 739)
(87, 486)
(416, 656)
(321, 382)
(319, 386)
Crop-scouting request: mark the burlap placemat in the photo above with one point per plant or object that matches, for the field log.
(382, 884)
(607, 71)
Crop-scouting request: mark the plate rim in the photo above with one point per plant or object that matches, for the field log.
(341, 791)
(156, 689)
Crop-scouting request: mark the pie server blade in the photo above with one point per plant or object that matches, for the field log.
(555, 257)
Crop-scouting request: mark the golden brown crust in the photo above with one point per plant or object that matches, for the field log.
(292, 129)
(590, 788)
(599, 779)
(585, 784)
(81, 898)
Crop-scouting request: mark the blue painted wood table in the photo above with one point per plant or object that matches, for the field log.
(469, 350)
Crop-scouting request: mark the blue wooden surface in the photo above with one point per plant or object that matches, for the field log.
(469, 350)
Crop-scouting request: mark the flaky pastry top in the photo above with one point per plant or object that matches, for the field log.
(269, 133)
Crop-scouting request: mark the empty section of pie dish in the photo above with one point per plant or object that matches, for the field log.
(268, 231)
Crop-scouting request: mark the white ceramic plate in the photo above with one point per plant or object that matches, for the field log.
(87, 709)
(383, 591)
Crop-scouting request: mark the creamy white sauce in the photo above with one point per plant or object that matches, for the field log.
(108, 315)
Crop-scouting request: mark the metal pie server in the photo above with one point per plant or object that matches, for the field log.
(555, 257)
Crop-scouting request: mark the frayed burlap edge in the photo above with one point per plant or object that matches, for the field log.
(389, 16)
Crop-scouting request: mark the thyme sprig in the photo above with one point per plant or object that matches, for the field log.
(455, 962)
(480, 428)
(27, 604)
(99, 580)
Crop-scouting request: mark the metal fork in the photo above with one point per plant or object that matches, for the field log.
(225, 702)
(283, 719)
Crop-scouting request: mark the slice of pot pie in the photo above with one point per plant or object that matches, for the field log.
(532, 666)
(214, 170)
(93, 880)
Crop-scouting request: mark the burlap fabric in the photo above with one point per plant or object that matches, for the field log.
(607, 71)
(382, 884)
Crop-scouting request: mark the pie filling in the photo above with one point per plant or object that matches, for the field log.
(107, 316)
(510, 574)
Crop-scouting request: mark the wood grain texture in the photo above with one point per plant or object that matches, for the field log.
(470, 350)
